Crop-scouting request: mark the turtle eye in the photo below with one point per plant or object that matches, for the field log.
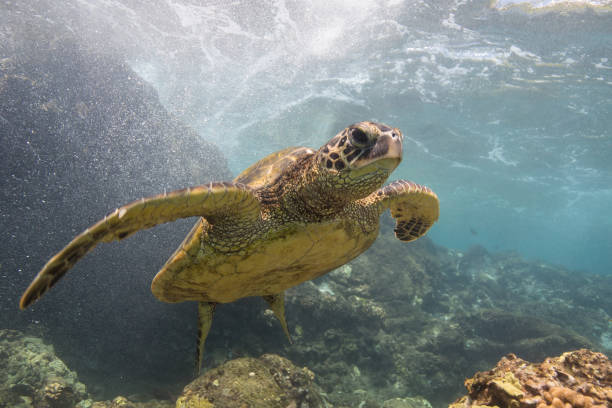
(358, 137)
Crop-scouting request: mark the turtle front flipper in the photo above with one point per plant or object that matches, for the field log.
(414, 207)
(215, 201)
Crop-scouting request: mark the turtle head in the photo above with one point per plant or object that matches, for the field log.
(358, 160)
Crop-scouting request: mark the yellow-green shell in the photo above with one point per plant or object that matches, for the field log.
(286, 254)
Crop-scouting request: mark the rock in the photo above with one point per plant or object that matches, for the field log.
(123, 402)
(270, 381)
(32, 375)
(58, 394)
(581, 378)
(415, 402)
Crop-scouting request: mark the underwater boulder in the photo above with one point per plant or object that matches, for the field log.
(412, 402)
(580, 378)
(270, 381)
(123, 402)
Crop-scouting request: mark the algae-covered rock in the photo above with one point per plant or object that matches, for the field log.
(270, 381)
(123, 402)
(414, 402)
(31, 375)
(579, 378)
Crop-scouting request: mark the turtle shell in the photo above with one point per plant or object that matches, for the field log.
(283, 254)
(267, 170)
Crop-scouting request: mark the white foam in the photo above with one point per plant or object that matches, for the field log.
(552, 4)
(496, 155)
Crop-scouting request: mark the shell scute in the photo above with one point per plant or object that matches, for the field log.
(267, 170)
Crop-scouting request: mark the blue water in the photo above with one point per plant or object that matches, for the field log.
(506, 106)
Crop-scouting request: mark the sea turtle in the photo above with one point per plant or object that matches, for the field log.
(289, 218)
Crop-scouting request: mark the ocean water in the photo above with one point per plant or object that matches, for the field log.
(506, 110)
(505, 105)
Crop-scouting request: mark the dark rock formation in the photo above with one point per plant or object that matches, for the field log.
(82, 134)
(578, 379)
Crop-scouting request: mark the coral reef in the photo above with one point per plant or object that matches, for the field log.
(426, 316)
(31, 375)
(576, 379)
(267, 382)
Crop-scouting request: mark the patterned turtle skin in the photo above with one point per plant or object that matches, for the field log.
(289, 218)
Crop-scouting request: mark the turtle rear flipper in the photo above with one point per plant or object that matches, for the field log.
(277, 305)
(414, 207)
(206, 310)
(216, 202)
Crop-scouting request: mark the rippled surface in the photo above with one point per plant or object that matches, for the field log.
(505, 105)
